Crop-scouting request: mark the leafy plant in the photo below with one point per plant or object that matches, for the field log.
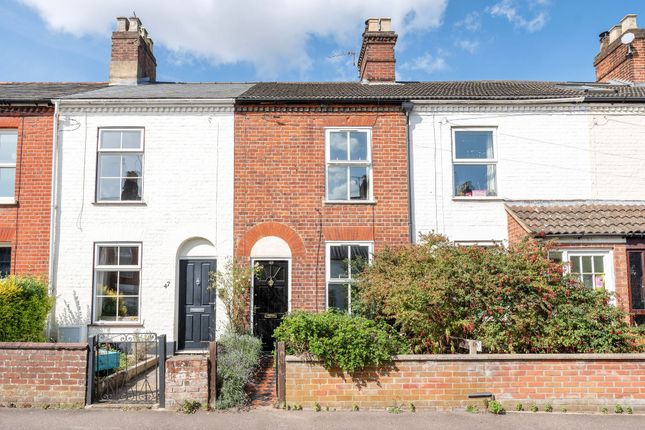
(472, 409)
(317, 407)
(618, 409)
(349, 343)
(355, 407)
(297, 407)
(495, 407)
(24, 305)
(629, 410)
(519, 407)
(563, 410)
(412, 407)
(232, 286)
(395, 409)
(605, 410)
(534, 408)
(548, 407)
(189, 406)
(237, 361)
(75, 315)
(514, 300)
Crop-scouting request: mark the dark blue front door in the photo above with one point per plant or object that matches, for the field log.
(196, 304)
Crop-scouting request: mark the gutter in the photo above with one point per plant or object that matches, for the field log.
(407, 108)
(53, 217)
(566, 100)
(145, 102)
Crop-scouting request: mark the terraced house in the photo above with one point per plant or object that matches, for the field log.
(156, 183)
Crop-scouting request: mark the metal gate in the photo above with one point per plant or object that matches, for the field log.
(127, 368)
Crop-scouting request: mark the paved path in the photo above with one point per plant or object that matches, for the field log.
(110, 419)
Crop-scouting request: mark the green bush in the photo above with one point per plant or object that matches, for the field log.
(339, 340)
(495, 407)
(513, 300)
(238, 358)
(24, 305)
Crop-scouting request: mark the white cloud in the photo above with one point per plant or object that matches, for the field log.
(508, 10)
(468, 45)
(271, 35)
(471, 22)
(426, 63)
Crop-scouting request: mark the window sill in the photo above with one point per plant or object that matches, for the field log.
(8, 202)
(116, 324)
(119, 203)
(480, 199)
(349, 202)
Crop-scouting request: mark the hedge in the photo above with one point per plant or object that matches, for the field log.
(24, 305)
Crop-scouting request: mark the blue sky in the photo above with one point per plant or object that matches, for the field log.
(296, 40)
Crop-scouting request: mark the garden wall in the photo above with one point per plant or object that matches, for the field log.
(187, 379)
(43, 374)
(584, 382)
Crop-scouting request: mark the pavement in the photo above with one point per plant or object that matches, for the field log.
(267, 418)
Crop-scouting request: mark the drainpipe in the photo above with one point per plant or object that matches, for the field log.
(52, 219)
(407, 108)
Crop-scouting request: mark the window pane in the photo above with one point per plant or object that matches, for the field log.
(338, 262)
(358, 145)
(5, 261)
(473, 144)
(110, 189)
(337, 183)
(358, 185)
(555, 256)
(636, 280)
(8, 144)
(129, 283)
(107, 255)
(7, 181)
(575, 264)
(129, 255)
(586, 264)
(475, 179)
(598, 264)
(106, 283)
(128, 308)
(360, 257)
(599, 281)
(338, 145)
(130, 189)
(338, 297)
(131, 139)
(106, 308)
(110, 166)
(587, 280)
(132, 165)
(110, 139)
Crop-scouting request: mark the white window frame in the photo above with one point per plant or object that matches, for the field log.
(328, 280)
(14, 166)
(357, 163)
(474, 161)
(608, 262)
(106, 268)
(7, 245)
(119, 151)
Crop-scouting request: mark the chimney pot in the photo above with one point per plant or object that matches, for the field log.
(615, 33)
(122, 23)
(135, 23)
(628, 22)
(386, 24)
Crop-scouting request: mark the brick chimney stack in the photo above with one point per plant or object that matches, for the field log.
(621, 61)
(376, 61)
(132, 59)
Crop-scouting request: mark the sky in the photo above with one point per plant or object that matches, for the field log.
(310, 40)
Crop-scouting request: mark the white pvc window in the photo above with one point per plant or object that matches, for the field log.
(474, 163)
(344, 262)
(349, 164)
(594, 269)
(8, 149)
(120, 165)
(117, 282)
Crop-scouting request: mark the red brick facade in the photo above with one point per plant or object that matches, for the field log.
(43, 374)
(280, 186)
(613, 62)
(24, 226)
(187, 379)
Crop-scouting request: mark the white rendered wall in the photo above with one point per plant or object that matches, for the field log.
(188, 194)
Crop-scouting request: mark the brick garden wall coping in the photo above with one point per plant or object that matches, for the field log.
(44, 345)
(497, 357)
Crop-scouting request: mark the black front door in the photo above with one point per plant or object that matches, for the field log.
(270, 298)
(196, 304)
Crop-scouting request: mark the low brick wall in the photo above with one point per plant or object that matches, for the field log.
(43, 374)
(186, 379)
(584, 382)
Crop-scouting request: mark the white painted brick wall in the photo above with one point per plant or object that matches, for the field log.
(188, 193)
(541, 155)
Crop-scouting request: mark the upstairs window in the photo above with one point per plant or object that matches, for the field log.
(120, 165)
(344, 263)
(8, 145)
(349, 164)
(474, 163)
(5, 261)
(117, 282)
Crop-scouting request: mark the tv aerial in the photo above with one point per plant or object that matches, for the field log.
(345, 54)
(627, 39)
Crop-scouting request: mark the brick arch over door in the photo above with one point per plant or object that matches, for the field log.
(265, 229)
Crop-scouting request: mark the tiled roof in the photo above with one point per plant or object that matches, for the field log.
(42, 92)
(167, 90)
(580, 217)
(451, 90)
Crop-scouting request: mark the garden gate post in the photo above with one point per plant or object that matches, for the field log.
(162, 370)
(282, 374)
(89, 383)
(212, 380)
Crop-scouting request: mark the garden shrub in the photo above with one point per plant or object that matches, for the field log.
(238, 358)
(24, 305)
(339, 340)
(514, 300)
